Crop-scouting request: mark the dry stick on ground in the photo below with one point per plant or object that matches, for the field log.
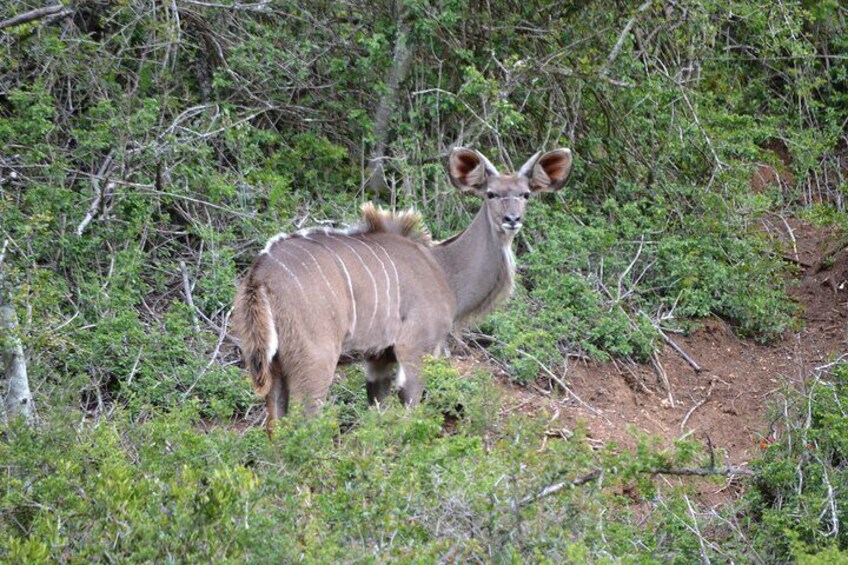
(660, 370)
(673, 345)
(791, 237)
(697, 405)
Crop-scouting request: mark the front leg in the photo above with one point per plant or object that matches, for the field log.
(378, 377)
(408, 380)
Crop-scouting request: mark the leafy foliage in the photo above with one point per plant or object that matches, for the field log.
(392, 487)
(149, 148)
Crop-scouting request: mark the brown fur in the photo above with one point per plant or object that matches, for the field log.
(408, 223)
(382, 292)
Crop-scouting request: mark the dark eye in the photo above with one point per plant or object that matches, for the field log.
(490, 194)
(525, 195)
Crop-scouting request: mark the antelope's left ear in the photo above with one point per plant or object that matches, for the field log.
(547, 173)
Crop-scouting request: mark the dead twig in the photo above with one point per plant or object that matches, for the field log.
(187, 296)
(696, 406)
(98, 193)
(222, 335)
(555, 488)
(621, 37)
(660, 370)
(729, 470)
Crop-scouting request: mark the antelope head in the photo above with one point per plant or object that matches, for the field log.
(506, 195)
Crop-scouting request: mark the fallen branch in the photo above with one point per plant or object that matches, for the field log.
(701, 471)
(555, 488)
(679, 350)
(660, 370)
(673, 345)
(33, 15)
(598, 473)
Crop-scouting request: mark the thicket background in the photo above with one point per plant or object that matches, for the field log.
(149, 148)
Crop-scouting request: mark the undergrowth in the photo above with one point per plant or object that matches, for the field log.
(456, 478)
(394, 485)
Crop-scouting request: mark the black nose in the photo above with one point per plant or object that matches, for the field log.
(512, 220)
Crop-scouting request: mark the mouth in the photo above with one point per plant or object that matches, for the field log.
(511, 227)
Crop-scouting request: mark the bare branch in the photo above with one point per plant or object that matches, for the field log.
(598, 473)
(33, 15)
(261, 6)
(618, 44)
(555, 488)
(187, 294)
(98, 193)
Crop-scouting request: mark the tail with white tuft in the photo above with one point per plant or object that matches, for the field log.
(253, 324)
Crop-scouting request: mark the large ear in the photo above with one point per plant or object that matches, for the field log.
(548, 172)
(469, 170)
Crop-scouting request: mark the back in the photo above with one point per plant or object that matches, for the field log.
(352, 289)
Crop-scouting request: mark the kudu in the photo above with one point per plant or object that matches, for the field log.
(382, 292)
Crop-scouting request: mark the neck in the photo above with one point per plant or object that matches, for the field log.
(479, 266)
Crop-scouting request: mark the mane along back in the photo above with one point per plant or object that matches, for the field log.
(408, 224)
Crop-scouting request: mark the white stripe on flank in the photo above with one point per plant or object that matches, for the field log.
(347, 276)
(289, 271)
(317, 264)
(397, 276)
(386, 274)
(370, 274)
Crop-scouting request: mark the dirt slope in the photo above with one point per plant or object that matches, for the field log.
(728, 402)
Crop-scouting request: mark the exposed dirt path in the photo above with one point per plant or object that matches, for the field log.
(728, 402)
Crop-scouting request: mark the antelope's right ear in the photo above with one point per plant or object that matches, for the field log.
(469, 170)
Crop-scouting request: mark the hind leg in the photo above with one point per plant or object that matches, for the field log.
(277, 401)
(378, 374)
(312, 383)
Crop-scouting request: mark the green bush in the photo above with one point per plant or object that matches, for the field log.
(797, 504)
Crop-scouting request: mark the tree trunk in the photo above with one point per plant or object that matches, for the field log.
(400, 67)
(18, 399)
